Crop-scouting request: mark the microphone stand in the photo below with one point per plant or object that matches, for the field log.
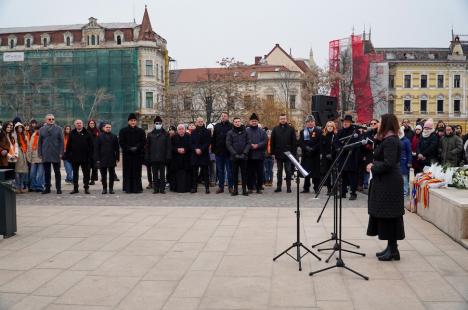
(337, 188)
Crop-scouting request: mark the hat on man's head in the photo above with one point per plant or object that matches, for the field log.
(158, 119)
(132, 116)
(254, 117)
(348, 117)
(310, 118)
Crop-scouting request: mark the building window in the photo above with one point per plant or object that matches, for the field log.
(119, 40)
(391, 106)
(44, 42)
(423, 106)
(407, 106)
(456, 81)
(270, 98)
(391, 81)
(149, 100)
(407, 80)
(157, 72)
(456, 106)
(93, 40)
(12, 43)
(187, 103)
(68, 41)
(28, 42)
(440, 81)
(149, 68)
(292, 101)
(424, 81)
(440, 106)
(162, 72)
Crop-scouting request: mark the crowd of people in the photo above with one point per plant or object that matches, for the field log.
(223, 155)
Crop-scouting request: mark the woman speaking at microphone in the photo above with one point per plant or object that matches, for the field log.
(386, 205)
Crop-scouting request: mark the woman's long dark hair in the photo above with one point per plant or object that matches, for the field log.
(389, 123)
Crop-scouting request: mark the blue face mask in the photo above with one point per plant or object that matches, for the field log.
(158, 126)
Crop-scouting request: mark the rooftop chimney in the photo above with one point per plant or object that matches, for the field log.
(258, 60)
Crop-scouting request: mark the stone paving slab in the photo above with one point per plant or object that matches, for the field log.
(160, 256)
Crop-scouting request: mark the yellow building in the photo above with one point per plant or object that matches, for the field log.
(429, 82)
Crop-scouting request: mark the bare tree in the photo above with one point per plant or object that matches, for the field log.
(97, 98)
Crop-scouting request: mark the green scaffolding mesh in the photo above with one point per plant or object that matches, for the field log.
(98, 83)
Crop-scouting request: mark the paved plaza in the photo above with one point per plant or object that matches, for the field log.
(183, 251)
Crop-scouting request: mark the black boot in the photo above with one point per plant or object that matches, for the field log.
(155, 188)
(378, 254)
(111, 190)
(104, 191)
(392, 253)
(162, 187)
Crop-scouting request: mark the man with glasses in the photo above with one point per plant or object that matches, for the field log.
(50, 150)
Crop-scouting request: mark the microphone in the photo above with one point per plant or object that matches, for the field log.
(356, 144)
(354, 135)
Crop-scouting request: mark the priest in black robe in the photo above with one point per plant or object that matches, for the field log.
(180, 172)
(132, 140)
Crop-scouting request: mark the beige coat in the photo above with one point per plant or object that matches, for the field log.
(33, 156)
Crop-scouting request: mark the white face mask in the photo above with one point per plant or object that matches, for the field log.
(158, 127)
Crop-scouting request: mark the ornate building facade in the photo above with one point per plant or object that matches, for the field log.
(99, 70)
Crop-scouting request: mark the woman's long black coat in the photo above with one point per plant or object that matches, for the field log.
(327, 152)
(386, 187)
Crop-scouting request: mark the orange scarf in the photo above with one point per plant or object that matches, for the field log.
(268, 146)
(35, 141)
(65, 141)
(23, 144)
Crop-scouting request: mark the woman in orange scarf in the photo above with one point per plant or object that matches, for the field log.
(21, 164)
(66, 161)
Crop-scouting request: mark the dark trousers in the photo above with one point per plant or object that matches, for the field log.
(280, 163)
(242, 166)
(159, 174)
(349, 179)
(149, 174)
(94, 174)
(204, 176)
(104, 171)
(255, 174)
(86, 172)
(47, 175)
(316, 182)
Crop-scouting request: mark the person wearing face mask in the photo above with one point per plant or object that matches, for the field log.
(200, 141)
(159, 153)
(309, 141)
(132, 140)
(450, 148)
(180, 181)
(327, 151)
(426, 151)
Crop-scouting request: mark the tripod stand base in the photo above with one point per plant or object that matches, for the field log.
(339, 264)
(298, 246)
(336, 248)
(334, 238)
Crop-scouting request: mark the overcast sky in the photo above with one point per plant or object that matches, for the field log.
(200, 32)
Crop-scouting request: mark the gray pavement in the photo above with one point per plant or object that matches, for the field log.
(145, 252)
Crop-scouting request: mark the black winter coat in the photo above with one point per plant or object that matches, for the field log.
(311, 151)
(428, 147)
(133, 141)
(283, 139)
(80, 147)
(218, 141)
(353, 161)
(158, 146)
(257, 136)
(238, 143)
(180, 161)
(107, 151)
(200, 139)
(327, 152)
(386, 187)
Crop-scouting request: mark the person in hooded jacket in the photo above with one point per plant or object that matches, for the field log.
(159, 153)
(80, 148)
(258, 143)
(238, 143)
(107, 155)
